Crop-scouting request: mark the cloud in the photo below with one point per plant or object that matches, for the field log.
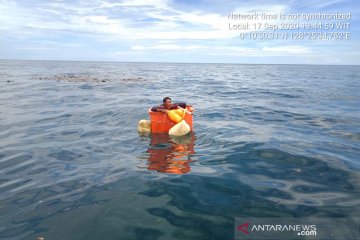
(169, 24)
(229, 50)
(187, 47)
(287, 50)
(158, 47)
(143, 26)
(317, 4)
(136, 3)
(265, 7)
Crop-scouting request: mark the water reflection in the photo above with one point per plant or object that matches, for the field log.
(168, 154)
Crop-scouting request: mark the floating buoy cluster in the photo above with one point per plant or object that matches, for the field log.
(177, 122)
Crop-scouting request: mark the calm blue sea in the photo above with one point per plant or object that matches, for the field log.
(269, 141)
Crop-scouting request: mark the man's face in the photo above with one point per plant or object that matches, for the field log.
(168, 103)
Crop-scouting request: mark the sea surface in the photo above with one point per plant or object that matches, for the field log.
(268, 141)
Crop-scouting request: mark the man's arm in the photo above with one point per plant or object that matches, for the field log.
(158, 109)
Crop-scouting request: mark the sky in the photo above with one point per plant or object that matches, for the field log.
(187, 31)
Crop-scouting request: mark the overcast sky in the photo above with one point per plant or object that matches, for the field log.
(166, 31)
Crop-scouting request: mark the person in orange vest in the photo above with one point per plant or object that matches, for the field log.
(168, 105)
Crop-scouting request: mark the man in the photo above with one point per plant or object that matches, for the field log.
(167, 105)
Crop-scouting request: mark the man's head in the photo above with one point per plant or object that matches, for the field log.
(167, 102)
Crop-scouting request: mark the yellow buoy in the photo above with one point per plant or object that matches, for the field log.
(176, 115)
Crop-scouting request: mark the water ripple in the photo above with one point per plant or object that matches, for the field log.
(72, 164)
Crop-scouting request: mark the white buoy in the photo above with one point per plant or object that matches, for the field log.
(180, 129)
(144, 126)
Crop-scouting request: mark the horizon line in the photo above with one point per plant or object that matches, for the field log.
(228, 63)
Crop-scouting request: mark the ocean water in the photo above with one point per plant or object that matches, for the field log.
(268, 141)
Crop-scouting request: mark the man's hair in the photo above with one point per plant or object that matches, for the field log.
(166, 98)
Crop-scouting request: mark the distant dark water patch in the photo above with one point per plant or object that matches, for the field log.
(282, 95)
(213, 115)
(15, 160)
(65, 155)
(92, 134)
(86, 86)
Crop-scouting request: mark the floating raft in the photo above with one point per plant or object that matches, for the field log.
(161, 123)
